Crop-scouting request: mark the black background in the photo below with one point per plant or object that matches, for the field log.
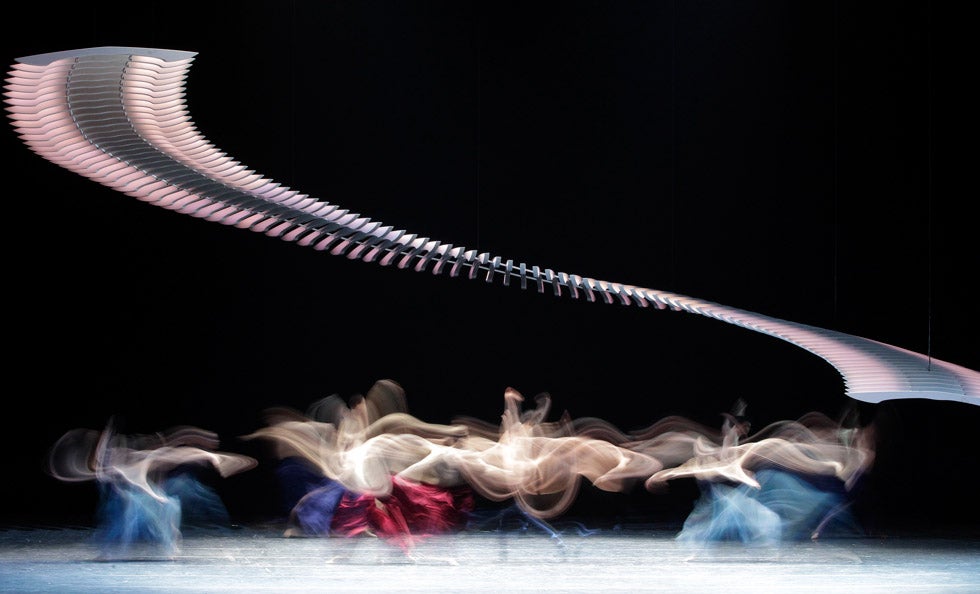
(800, 160)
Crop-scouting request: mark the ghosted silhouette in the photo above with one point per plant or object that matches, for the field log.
(147, 485)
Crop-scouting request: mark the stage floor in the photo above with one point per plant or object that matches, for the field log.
(261, 559)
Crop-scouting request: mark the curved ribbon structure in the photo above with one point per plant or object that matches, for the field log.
(117, 115)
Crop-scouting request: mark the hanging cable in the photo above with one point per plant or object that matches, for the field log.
(836, 75)
(929, 184)
(673, 145)
(477, 42)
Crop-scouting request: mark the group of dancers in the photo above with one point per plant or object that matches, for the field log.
(368, 467)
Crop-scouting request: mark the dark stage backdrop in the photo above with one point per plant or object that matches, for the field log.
(793, 159)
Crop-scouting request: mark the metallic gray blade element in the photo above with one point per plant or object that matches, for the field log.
(118, 116)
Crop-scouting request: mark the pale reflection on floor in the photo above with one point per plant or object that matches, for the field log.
(617, 560)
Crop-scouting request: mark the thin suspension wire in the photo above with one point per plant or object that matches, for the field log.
(929, 149)
(292, 96)
(673, 145)
(478, 42)
(836, 239)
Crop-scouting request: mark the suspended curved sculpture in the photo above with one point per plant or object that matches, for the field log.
(117, 115)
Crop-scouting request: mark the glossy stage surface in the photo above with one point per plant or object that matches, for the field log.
(610, 560)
